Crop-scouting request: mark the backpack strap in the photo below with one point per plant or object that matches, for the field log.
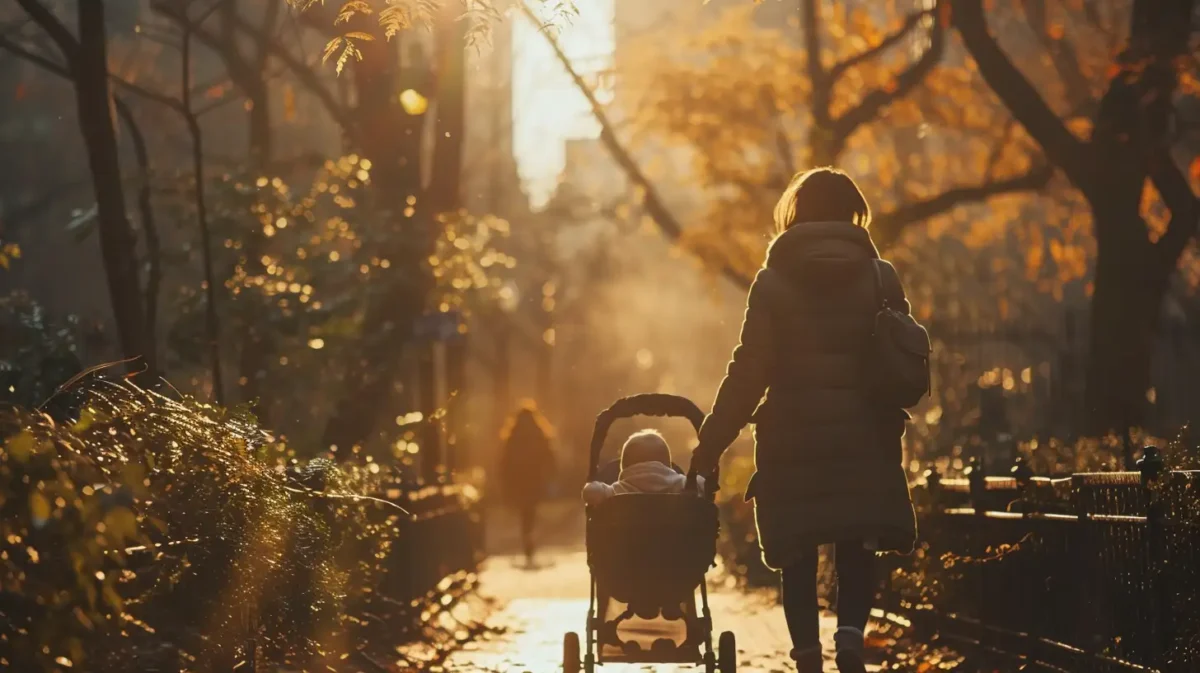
(887, 286)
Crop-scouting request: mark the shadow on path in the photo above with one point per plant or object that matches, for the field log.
(540, 603)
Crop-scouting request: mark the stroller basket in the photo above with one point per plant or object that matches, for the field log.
(650, 547)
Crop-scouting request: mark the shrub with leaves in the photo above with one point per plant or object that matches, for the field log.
(181, 536)
(37, 351)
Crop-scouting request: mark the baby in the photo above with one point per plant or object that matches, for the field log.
(645, 468)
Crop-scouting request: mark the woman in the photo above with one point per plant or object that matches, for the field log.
(526, 466)
(828, 458)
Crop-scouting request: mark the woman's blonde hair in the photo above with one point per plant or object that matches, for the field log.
(823, 194)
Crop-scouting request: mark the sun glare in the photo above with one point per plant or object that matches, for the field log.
(548, 109)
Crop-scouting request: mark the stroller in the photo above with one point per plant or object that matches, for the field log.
(648, 554)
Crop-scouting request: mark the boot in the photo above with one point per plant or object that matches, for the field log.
(849, 644)
(809, 660)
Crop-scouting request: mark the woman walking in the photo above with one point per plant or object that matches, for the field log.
(828, 457)
(526, 467)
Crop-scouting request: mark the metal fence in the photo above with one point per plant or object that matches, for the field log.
(1092, 572)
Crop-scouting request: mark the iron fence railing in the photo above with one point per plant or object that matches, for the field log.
(1092, 572)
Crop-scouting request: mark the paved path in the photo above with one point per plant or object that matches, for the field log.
(536, 606)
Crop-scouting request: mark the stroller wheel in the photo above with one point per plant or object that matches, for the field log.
(571, 653)
(727, 653)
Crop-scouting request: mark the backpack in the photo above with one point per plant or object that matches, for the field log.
(899, 345)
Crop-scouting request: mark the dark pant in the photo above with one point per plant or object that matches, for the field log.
(855, 593)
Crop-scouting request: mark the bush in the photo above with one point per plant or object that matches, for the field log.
(38, 353)
(174, 533)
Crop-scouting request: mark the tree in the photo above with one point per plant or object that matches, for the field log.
(86, 60)
(744, 108)
(247, 70)
(1129, 147)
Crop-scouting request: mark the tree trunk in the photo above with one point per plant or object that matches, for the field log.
(257, 344)
(449, 131)
(430, 435)
(118, 246)
(150, 230)
(390, 137)
(1130, 283)
(394, 146)
(1132, 273)
(457, 421)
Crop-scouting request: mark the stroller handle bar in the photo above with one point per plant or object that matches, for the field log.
(646, 404)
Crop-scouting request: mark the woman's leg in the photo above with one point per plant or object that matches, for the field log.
(856, 594)
(528, 513)
(802, 613)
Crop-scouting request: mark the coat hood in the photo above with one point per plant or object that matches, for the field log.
(821, 252)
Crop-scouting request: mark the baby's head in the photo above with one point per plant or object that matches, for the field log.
(645, 446)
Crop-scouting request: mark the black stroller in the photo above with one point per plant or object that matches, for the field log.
(648, 554)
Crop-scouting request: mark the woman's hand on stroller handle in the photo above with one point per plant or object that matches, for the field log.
(693, 485)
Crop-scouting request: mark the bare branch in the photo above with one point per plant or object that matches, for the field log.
(783, 145)
(148, 94)
(35, 58)
(887, 227)
(894, 38)
(651, 201)
(47, 21)
(994, 155)
(304, 73)
(904, 82)
(1173, 186)
(1020, 96)
(267, 27)
(149, 226)
(211, 321)
(1062, 54)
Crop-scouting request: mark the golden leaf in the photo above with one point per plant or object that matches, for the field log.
(86, 418)
(350, 8)
(121, 525)
(39, 509)
(21, 446)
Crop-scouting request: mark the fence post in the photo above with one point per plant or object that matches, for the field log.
(1024, 476)
(978, 485)
(933, 487)
(1150, 465)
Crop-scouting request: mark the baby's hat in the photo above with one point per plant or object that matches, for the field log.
(645, 446)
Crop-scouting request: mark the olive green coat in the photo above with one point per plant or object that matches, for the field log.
(828, 459)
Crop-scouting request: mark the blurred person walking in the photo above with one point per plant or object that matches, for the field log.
(827, 451)
(526, 467)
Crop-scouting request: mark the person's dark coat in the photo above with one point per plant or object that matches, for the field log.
(828, 460)
(526, 462)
